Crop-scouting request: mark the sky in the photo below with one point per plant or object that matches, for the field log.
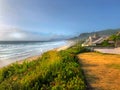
(50, 19)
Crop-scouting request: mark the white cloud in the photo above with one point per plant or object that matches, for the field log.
(9, 33)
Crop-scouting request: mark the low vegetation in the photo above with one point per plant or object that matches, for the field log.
(102, 71)
(53, 71)
(106, 43)
(115, 66)
(114, 38)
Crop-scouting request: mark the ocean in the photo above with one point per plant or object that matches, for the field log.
(11, 51)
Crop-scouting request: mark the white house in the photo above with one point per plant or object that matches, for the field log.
(94, 40)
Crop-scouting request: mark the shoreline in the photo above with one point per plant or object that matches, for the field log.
(32, 58)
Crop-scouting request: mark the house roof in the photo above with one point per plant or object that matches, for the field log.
(94, 40)
(99, 40)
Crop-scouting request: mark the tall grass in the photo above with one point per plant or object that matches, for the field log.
(53, 71)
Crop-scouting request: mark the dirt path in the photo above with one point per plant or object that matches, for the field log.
(102, 71)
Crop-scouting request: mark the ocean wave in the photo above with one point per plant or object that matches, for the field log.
(22, 51)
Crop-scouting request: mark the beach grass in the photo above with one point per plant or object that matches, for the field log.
(52, 71)
(102, 71)
(115, 66)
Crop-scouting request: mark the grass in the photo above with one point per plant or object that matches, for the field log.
(101, 70)
(115, 66)
(111, 60)
(53, 71)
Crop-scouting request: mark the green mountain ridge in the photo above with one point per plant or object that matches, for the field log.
(107, 32)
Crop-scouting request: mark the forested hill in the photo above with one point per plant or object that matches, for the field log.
(107, 32)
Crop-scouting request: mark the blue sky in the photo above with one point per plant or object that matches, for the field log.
(56, 18)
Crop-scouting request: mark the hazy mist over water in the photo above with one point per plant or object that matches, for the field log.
(14, 51)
